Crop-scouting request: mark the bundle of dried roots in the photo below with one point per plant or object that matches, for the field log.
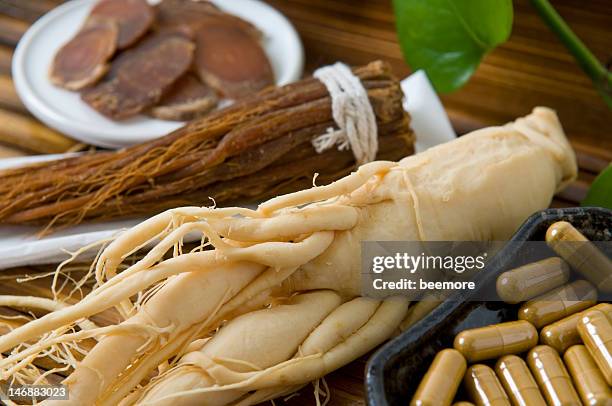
(254, 149)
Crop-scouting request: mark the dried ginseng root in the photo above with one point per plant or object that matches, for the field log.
(229, 56)
(256, 148)
(133, 18)
(187, 15)
(112, 25)
(275, 302)
(141, 76)
(85, 58)
(189, 98)
(231, 60)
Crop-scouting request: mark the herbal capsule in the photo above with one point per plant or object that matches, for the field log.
(518, 382)
(559, 303)
(595, 329)
(551, 376)
(604, 307)
(463, 403)
(581, 254)
(440, 383)
(589, 381)
(496, 340)
(483, 387)
(562, 334)
(531, 280)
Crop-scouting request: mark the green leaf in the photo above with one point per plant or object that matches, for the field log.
(448, 38)
(600, 193)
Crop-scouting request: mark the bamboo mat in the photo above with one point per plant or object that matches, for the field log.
(531, 69)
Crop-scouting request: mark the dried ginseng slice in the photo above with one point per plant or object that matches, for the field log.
(188, 15)
(231, 60)
(189, 98)
(172, 12)
(84, 59)
(141, 77)
(133, 17)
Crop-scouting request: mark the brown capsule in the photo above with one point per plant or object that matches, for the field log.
(440, 383)
(463, 403)
(581, 254)
(559, 303)
(589, 381)
(518, 382)
(552, 377)
(483, 387)
(562, 334)
(604, 307)
(595, 329)
(531, 280)
(496, 340)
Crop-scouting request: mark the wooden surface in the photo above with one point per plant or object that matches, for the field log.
(531, 69)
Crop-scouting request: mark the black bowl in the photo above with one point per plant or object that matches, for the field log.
(395, 370)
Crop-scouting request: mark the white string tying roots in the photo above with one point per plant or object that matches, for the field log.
(352, 113)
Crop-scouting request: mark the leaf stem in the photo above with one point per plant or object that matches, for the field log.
(599, 74)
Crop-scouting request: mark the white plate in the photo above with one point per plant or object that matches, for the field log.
(20, 246)
(65, 111)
